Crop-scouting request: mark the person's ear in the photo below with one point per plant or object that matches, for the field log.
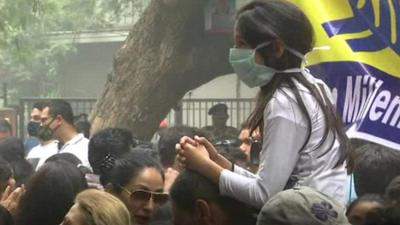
(278, 48)
(202, 212)
(59, 120)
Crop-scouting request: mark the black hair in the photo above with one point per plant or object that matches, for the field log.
(5, 126)
(365, 198)
(62, 108)
(22, 171)
(82, 124)
(354, 144)
(279, 20)
(128, 166)
(65, 156)
(5, 174)
(392, 191)
(83, 127)
(389, 215)
(39, 105)
(110, 141)
(374, 168)
(50, 194)
(169, 137)
(232, 153)
(5, 170)
(12, 150)
(190, 186)
(71, 158)
(5, 217)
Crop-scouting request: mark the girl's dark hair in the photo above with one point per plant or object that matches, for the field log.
(5, 170)
(12, 150)
(5, 217)
(110, 141)
(273, 20)
(128, 166)
(392, 191)
(365, 198)
(50, 194)
(375, 166)
(71, 158)
(65, 156)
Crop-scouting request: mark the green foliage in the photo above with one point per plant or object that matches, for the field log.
(29, 57)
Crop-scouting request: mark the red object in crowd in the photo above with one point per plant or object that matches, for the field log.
(164, 124)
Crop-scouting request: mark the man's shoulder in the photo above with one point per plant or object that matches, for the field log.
(34, 152)
(77, 143)
(79, 140)
(85, 140)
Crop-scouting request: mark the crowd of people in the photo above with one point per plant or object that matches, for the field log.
(291, 162)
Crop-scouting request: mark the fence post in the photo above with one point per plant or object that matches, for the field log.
(21, 121)
(178, 114)
(5, 95)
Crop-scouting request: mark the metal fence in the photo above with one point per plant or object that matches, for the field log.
(190, 112)
(194, 112)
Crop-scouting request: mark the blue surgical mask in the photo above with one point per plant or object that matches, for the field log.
(251, 73)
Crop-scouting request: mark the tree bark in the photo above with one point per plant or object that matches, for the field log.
(167, 53)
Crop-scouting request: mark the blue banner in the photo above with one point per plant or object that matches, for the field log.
(362, 65)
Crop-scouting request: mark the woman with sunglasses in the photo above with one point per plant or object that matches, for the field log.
(303, 140)
(137, 179)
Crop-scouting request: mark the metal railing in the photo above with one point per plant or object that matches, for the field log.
(194, 112)
(189, 112)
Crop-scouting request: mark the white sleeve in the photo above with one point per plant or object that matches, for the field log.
(282, 139)
(243, 172)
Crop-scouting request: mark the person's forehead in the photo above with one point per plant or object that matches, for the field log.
(45, 112)
(35, 111)
(149, 178)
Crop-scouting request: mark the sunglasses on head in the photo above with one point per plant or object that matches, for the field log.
(143, 196)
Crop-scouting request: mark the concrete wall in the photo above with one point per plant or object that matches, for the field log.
(223, 87)
(85, 73)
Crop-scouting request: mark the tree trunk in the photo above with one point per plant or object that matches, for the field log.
(166, 54)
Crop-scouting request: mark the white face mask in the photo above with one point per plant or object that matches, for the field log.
(251, 73)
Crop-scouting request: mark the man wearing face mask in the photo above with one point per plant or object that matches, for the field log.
(46, 146)
(33, 127)
(57, 121)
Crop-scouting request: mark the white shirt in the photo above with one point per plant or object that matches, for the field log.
(79, 146)
(285, 131)
(40, 153)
